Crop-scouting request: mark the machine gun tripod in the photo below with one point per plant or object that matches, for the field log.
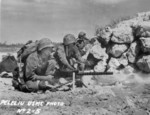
(76, 75)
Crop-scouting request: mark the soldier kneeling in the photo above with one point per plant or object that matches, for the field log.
(39, 69)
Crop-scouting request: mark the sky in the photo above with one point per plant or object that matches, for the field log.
(23, 20)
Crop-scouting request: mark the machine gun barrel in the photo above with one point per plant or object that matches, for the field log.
(88, 73)
(95, 73)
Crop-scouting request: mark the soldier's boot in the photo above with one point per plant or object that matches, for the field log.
(18, 86)
(15, 83)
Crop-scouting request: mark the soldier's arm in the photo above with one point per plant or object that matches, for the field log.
(63, 59)
(30, 74)
(44, 78)
(78, 56)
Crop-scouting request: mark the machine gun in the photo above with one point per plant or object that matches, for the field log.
(77, 75)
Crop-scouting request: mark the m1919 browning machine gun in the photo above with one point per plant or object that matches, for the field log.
(77, 75)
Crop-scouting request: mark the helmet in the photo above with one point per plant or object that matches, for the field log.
(68, 39)
(44, 43)
(81, 34)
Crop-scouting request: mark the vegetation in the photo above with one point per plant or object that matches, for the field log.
(4, 47)
(10, 45)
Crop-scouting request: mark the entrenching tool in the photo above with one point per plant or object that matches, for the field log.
(77, 74)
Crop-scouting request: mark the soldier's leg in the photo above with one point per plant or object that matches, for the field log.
(32, 86)
(19, 86)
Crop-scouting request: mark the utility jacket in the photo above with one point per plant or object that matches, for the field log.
(35, 66)
(64, 57)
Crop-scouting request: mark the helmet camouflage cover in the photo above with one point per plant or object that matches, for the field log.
(69, 39)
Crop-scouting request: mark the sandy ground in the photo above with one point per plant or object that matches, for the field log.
(110, 95)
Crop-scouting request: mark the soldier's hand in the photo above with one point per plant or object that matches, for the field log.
(50, 76)
(51, 81)
(72, 68)
(75, 70)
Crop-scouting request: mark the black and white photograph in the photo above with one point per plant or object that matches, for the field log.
(74, 57)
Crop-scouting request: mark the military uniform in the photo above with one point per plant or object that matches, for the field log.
(67, 61)
(67, 54)
(82, 41)
(36, 67)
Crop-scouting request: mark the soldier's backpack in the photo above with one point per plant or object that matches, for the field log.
(26, 50)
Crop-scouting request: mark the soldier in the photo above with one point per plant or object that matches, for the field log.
(68, 54)
(82, 36)
(39, 69)
(82, 41)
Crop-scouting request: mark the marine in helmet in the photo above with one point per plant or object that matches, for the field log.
(82, 41)
(39, 68)
(67, 54)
